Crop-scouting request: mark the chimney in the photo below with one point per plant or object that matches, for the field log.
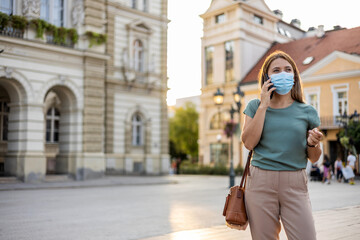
(320, 31)
(278, 13)
(295, 22)
(311, 32)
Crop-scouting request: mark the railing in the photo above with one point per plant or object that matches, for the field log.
(12, 32)
(16, 33)
(329, 122)
(50, 40)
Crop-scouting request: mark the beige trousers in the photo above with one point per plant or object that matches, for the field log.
(274, 195)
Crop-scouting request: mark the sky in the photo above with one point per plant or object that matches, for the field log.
(186, 29)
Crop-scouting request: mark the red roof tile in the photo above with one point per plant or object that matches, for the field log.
(344, 40)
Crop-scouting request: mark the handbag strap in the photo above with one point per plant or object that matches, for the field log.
(246, 170)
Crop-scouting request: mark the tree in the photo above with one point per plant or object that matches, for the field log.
(184, 132)
(352, 138)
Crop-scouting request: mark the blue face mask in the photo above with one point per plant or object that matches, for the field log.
(283, 82)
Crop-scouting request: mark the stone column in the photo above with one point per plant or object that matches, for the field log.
(26, 142)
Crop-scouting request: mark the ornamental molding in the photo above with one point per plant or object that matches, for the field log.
(77, 14)
(31, 8)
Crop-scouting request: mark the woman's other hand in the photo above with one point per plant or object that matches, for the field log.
(314, 137)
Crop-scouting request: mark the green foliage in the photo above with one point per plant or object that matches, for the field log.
(19, 22)
(187, 167)
(96, 38)
(184, 130)
(40, 26)
(59, 33)
(4, 20)
(72, 33)
(352, 139)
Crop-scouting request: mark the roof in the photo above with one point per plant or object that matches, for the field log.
(344, 40)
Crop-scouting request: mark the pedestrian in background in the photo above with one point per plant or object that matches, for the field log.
(351, 159)
(327, 174)
(282, 131)
(338, 166)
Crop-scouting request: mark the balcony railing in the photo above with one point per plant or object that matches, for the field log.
(12, 32)
(329, 122)
(50, 40)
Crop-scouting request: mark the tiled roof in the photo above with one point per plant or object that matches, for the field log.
(344, 40)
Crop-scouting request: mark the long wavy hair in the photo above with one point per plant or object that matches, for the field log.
(296, 91)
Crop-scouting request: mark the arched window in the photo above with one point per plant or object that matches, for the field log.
(4, 119)
(138, 56)
(137, 130)
(52, 125)
(218, 120)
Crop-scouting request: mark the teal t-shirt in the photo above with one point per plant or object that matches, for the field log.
(282, 145)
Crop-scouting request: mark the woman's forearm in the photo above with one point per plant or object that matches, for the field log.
(253, 129)
(314, 153)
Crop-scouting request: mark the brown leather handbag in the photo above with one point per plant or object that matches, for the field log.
(234, 209)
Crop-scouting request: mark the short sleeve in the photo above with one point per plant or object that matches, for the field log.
(313, 118)
(252, 107)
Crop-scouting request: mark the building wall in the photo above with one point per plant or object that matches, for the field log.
(90, 91)
(335, 70)
(129, 91)
(251, 41)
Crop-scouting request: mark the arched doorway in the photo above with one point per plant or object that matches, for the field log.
(61, 131)
(13, 118)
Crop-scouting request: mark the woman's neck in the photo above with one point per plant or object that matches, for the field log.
(281, 101)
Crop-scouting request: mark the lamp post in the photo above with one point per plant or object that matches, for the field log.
(219, 100)
(219, 147)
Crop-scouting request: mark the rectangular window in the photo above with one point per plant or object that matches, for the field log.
(229, 61)
(219, 153)
(5, 124)
(313, 101)
(6, 6)
(145, 5)
(258, 19)
(133, 4)
(342, 102)
(45, 10)
(53, 12)
(4, 120)
(220, 18)
(48, 130)
(58, 12)
(209, 55)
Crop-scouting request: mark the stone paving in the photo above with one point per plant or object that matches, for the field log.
(341, 223)
(152, 208)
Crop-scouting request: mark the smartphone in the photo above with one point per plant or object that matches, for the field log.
(267, 78)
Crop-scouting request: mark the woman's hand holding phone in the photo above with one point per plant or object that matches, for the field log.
(266, 93)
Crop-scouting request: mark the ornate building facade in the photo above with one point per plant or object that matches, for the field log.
(88, 106)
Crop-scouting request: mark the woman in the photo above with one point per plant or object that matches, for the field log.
(327, 173)
(338, 169)
(282, 131)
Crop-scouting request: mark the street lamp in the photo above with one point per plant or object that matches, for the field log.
(219, 100)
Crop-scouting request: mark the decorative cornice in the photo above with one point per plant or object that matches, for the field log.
(137, 12)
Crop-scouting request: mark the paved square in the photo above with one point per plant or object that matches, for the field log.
(152, 208)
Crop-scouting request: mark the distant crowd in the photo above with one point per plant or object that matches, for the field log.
(341, 171)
